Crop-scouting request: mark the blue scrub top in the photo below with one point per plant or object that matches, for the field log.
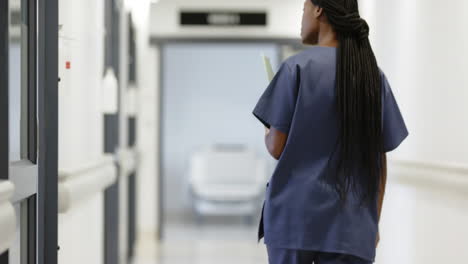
(300, 210)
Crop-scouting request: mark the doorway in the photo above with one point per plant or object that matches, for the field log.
(208, 90)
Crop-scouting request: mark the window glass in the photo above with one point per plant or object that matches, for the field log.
(22, 100)
(15, 80)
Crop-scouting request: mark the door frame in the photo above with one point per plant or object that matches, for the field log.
(111, 135)
(4, 86)
(36, 183)
(47, 191)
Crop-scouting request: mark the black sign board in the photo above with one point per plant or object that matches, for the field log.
(223, 18)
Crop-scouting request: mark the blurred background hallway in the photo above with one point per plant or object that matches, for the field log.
(144, 149)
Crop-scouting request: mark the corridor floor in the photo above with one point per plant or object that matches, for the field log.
(209, 243)
(421, 224)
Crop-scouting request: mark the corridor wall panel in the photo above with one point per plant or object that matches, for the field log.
(81, 130)
(427, 73)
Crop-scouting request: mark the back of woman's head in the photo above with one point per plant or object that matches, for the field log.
(359, 102)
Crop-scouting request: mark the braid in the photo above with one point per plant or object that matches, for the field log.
(359, 103)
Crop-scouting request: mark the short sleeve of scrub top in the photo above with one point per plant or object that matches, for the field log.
(275, 107)
(394, 128)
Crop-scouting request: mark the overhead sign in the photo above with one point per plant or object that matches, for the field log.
(223, 18)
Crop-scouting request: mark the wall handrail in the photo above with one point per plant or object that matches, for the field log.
(128, 160)
(7, 215)
(442, 166)
(434, 174)
(78, 184)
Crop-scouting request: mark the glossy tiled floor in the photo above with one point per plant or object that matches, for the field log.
(232, 243)
(205, 252)
(420, 225)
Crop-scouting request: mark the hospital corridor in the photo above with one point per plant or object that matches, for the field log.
(128, 132)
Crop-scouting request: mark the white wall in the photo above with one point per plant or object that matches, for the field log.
(81, 124)
(142, 103)
(81, 42)
(421, 45)
(81, 233)
(147, 132)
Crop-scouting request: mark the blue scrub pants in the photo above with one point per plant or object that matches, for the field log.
(293, 256)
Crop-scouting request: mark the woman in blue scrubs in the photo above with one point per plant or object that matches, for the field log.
(330, 117)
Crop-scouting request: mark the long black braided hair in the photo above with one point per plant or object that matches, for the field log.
(359, 103)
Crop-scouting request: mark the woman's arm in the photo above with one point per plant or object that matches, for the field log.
(383, 183)
(275, 141)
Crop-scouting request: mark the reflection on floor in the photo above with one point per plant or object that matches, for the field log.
(216, 240)
(421, 224)
(205, 252)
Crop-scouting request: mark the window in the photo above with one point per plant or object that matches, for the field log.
(22, 81)
(22, 124)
